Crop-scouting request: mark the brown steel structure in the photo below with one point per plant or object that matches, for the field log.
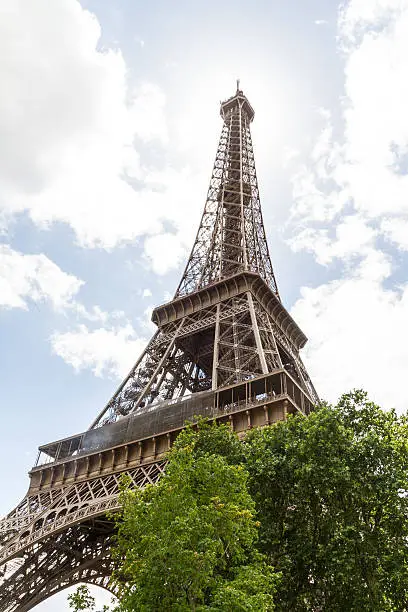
(225, 348)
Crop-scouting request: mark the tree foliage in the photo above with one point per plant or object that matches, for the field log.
(307, 514)
(81, 599)
(331, 496)
(189, 542)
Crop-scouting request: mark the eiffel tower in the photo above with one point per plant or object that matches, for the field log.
(225, 348)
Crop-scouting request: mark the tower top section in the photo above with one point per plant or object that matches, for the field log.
(231, 237)
(237, 101)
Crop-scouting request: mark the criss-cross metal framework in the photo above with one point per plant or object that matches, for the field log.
(61, 536)
(216, 342)
(231, 237)
(225, 347)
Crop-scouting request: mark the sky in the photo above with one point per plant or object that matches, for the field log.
(109, 123)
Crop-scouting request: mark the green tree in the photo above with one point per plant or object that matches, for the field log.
(81, 599)
(331, 496)
(330, 493)
(189, 542)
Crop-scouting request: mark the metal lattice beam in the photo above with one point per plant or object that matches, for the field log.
(231, 236)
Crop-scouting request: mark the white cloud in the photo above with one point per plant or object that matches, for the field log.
(366, 170)
(148, 111)
(110, 349)
(396, 230)
(289, 155)
(94, 314)
(352, 196)
(165, 251)
(358, 336)
(351, 238)
(104, 351)
(317, 195)
(356, 15)
(320, 22)
(68, 120)
(146, 325)
(36, 278)
(146, 293)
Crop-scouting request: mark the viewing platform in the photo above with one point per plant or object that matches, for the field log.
(146, 435)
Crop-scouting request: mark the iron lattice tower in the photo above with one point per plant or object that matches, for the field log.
(225, 348)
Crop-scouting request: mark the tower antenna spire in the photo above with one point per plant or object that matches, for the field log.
(238, 85)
